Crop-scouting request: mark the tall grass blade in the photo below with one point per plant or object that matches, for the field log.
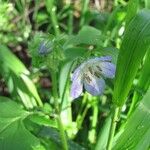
(134, 46)
(136, 132)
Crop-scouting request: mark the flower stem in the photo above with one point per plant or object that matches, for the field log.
(51, 8)
(84, 10)
(114, 121)
(57, 109)
(70, 19)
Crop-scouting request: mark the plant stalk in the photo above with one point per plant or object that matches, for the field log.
(51, 8)
(115, 118)
(57, 109)
(84, 10)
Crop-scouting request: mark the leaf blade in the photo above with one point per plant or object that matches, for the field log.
(133, 49)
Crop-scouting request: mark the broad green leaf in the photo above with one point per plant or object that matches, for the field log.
(136, 132)
(131, 10)
(134, 46)
(16, 76)
(43, 120)
(75, 52)
(87, 35)
(13, 134)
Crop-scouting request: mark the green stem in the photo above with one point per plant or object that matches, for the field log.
(92, 133)
(81, 107)
(114, 121)
(133, 103)
(81, 118)
(57, 109)
(51, 8)
(70, 19)
(84, 10)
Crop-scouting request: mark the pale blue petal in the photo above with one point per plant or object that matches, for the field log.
(95, 87)
(76, 73)
(76, 88)
(108, 69)
(103, 58)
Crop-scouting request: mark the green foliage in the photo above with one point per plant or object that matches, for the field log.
(135, 134)
(17, 78)
(133, 49)
(132, 10)
(13, 133)
(51, 59)
(57, 36)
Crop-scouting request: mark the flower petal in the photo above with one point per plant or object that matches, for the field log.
(95, 87)
(76, 73)
(76, 88)
(103, 58)
(108, 69)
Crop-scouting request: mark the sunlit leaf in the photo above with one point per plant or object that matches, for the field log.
(135, 43)
(87, 35)
(13, 134)
(143, 82)
(16, 75)
(136, 133)
(131, 10)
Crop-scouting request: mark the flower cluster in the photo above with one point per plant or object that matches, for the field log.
(90, 75)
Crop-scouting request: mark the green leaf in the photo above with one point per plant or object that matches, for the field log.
(43, 120)
(135, 134)
(144, 80)
(142, 84)
(87, 35)
(75, 52)
(64, 75)
(134, 46)
(13, 134)
(53, 135)
(131, 10)
(8, 60)
(16, 76)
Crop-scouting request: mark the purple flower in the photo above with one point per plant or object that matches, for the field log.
(90, 75)
(45, 47)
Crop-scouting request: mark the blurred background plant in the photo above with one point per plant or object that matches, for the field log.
(50, 39)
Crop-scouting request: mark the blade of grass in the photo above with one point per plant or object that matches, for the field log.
(84, 10)
(131, 10)
(136, 132)
(16, 77)
(143, 83)
(134, 46)
(51, 8)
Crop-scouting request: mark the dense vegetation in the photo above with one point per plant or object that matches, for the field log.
(74, 75)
